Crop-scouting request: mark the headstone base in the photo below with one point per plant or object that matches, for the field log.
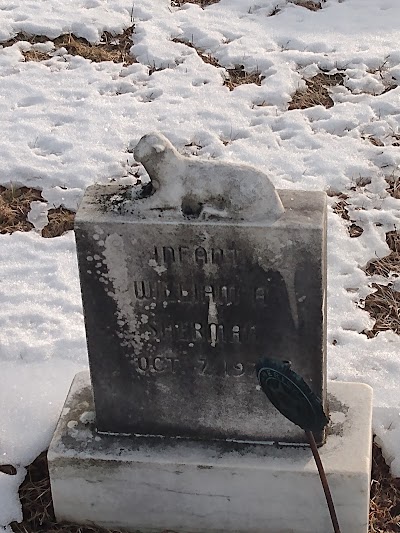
(153, 485)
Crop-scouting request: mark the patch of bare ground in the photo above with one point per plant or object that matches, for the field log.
(207, 58)
(275, 11)
(111, 47)
(316, 92)
(235, 76)
(308, 4)
(37, 505)
(393, 186)
(340, 208)
(239, 76)
(384, 510)
(390, 263)
(61, 220)
(201, 3)
(382, 71)
(38, 513)
(384, 304)
(373, 140)
(15, 204)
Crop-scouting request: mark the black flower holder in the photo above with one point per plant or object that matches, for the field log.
(291, 395)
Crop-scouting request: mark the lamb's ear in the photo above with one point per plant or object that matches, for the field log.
(159, 148)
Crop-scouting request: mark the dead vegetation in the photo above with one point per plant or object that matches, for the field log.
(15, 204)
(238, 76)
(384, 304)
(340, 208)
(390, 263)
(201, 3)
(38, 513)
(235, 77)
(61, 220)
(275, 11)
(37, 505)
(373, 140)
(393, 186)
(207, 58)
(384, 513)
(111, 47)
(308, 4)
(316, 92)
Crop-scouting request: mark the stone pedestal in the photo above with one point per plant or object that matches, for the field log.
(154, 484)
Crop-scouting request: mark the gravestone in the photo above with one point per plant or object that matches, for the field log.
(186, 283)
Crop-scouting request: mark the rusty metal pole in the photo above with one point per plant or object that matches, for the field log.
(324, 481)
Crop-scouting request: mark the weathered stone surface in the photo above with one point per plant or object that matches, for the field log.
(179, 309)
(153, 485)
(204, 188)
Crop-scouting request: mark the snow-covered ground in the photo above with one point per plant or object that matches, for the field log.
(68, 122)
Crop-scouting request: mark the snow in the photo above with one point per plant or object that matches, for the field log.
(68, 123)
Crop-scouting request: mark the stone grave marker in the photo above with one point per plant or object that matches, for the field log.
(186, 282)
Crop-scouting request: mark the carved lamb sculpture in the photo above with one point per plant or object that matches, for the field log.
(202, 188)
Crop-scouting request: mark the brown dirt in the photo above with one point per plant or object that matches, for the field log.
(316, 92)
(61, 220)
(340, 208)
(15, 204)
(111, 48)
(38, 514)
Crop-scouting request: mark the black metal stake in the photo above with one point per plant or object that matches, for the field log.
(324, 481)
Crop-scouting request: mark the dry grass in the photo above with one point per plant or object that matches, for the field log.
(207, 58)
(340, 208)
(316, 92)
(384, 513)
(15, 204)
(111, 48)
(308, 4)
(238, 76)
(37, 505)
(38, 514)
(373, 140)
(60, 221)
(201, 3)
(394, 187)
(390, 263)
(275, 11)
(35, 55)
(384, 304)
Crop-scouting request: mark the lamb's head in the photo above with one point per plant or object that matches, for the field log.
(152, 146)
